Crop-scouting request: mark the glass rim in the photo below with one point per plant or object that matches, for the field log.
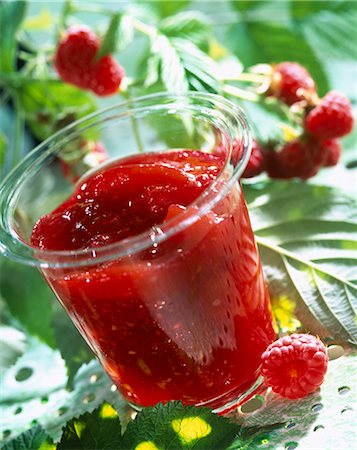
(15, 248)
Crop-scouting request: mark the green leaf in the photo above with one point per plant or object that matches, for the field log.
(11, 15)
(74, 350)
(34, 439)
(111, 37)
(307, 237)
(322, 420)
(50, 105)
(3, 146)
(263, 42)
(174, 426)
(172, 71)
(246, 5)
(191, 25)
(28, 298)
(328, 26)
(99, 430)
(12, 346)
(126, 31)
(159, 9)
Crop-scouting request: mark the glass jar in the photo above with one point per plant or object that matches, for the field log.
(177, 312)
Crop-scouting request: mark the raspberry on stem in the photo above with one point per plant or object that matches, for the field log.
(255, 164)
(291, 83)
(332, 118)
(294, 366)
(75, 62)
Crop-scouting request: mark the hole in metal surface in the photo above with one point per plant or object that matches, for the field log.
(18, 410)
(44, 399)
(6, 434)
(351, 164)
(88, 398)
(346, 410)
(93, 379)
(24, 374)
(291, 424)
(34, 422)
(319, 427)
(343, 390)
(291, 445)
(62, 411)
(252, 405)
(335, 351)
(317, 407)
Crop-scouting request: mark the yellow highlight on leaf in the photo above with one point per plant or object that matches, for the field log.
(191, 428)
(108, 412)
(146, 445)
(216, 50)
(284, 312)
(79, 427)
(48, 446)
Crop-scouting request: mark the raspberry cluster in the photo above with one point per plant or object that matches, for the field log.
(76, 63)
(323, 121)
(294, 366)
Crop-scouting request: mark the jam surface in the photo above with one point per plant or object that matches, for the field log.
(185, 319)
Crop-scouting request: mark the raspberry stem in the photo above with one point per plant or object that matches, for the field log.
(240, 93)
(134, 122)
(248, 77)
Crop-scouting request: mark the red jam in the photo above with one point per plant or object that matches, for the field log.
(184, 319)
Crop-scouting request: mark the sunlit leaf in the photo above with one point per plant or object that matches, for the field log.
(34, 439)
(174, 426)
(307, 237)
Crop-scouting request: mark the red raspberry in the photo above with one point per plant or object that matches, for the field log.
(255, 164)
(291, 82)
(328, 153)
(332, 118)
(294, 366)
(76, 64)
(296, 159)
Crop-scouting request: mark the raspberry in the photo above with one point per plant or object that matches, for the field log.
(291, 82)
(90, 154)
(332, 118)
(76, 64)
(328, 153)
(255, 164)
(294, 366)
(296, 159)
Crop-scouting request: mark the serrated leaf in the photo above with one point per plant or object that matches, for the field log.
(51, 105)
(172, 71)
(308, 249)
(34, 439)
(11, 16)
(264, 42)
(174, 426)
(29, 301)
(126, 31)
(74, 350)
(191, 25)
(99, 430)
(329, 26)
(110, 38)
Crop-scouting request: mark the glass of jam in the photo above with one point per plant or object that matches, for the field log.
(151, 253)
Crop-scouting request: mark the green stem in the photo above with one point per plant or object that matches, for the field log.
(248, 77)
(134, 123)
(19, 132)
(240, 93)
(16, 80)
